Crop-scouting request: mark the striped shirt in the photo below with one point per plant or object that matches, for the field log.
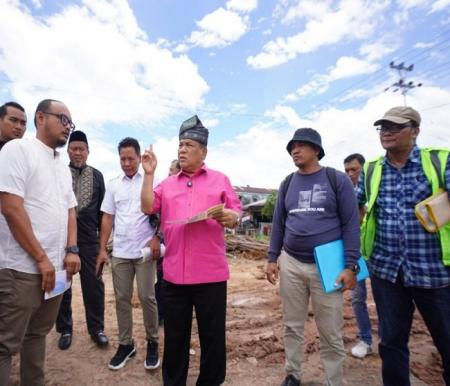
(402, 245)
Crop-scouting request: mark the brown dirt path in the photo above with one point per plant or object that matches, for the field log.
(254, 339)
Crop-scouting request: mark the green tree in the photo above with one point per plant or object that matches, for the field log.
(269, 206)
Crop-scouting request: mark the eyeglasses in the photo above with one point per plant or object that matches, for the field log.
(392, 129)
(63, 118)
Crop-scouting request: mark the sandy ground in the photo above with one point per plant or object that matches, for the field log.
(254, 340)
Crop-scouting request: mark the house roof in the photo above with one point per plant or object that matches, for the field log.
(250, 189)
(259, 203)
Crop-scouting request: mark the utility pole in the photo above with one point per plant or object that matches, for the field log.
(401, 84)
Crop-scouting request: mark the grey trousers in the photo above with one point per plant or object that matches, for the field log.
(123, 273)
(25, 320)
(298, 283)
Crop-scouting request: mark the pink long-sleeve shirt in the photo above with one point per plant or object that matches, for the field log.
(195, 253)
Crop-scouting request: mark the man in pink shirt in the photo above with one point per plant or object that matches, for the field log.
(195, 265)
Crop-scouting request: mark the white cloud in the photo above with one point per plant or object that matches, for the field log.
(221, 27)
(424, 45)
(166, 151)
(407, 5)
(281, 114)
(98, 60)
(345, 67)
(37, 3)
(210, 122)
(107, 70)
(118, 14)
(242, 5)
(361, 93)
(380, 48)
(224, 110)
(182, 48)
(305, 9)
(104, 157)
(439, 5)
(353, 20)
(317, 85)
(238, 108)
(262, 149)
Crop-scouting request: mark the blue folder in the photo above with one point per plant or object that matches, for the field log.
(330, 263)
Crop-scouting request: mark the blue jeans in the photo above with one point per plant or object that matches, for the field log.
(395, 306)
(359, 303)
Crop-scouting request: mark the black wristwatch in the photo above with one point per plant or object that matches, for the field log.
(72, 249)
(354, 268)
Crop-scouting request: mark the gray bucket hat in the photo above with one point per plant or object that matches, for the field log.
(307, 135)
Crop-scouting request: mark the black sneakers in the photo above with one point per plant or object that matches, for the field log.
(124, 352)
(290, 380)
(152, 359)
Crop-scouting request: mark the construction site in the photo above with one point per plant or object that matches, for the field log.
(255, 354)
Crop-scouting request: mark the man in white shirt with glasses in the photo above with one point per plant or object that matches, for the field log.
(38, 237)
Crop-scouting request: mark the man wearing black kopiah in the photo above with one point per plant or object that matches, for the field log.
(89, 189)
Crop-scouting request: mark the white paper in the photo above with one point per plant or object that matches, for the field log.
(200, 216)
(61, 285)
(146, 252)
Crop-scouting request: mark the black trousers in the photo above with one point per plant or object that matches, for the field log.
(93, 290)
(159, 291)
(209, 301)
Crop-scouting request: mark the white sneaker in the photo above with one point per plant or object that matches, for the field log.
(361, 350)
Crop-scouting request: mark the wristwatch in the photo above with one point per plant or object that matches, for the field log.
(354, 268)
(72, 249)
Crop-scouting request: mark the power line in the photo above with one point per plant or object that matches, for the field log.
(401, 84)
(381, 71)
(440, 75)
(433, 69)
(435, 107)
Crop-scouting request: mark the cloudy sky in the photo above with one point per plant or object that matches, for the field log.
(253, 70)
